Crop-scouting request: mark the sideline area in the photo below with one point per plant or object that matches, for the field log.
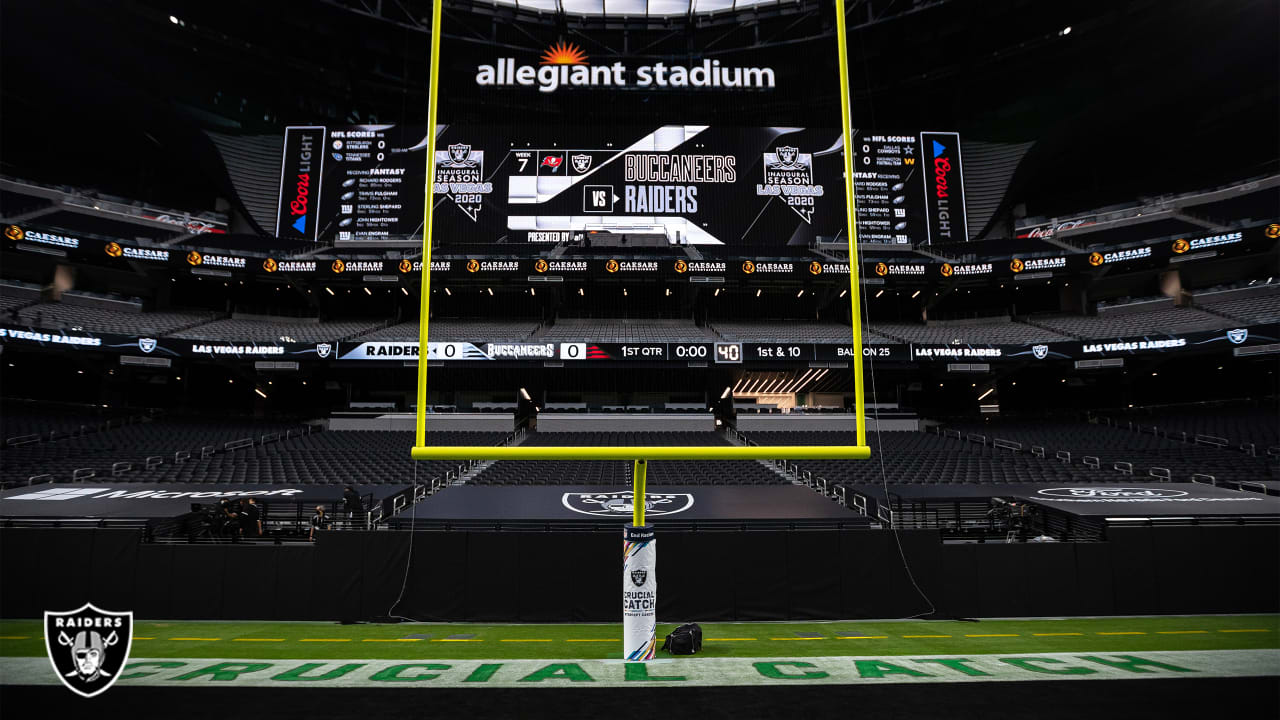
(303, 654)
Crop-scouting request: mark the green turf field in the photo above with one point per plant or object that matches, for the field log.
(314, 640)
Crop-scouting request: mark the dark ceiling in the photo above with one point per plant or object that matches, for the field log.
(1139, 99)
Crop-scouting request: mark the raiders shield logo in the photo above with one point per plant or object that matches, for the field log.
(460, 156)
(323, 349)
(146, 345)
(786, 157)
(638, 577)
(1040, 351)
(619, 504)
(1238, 336)
(88, 647)
(581, 163)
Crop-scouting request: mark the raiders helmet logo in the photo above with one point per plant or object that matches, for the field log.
(460, 156)
(619, 504)
(581, 163)
(88, 647)
(638, 577)
(146, 345)
(1040, 351)
(1238, 336)
(323, 349)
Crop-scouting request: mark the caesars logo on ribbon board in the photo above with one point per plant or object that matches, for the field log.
(17, 234)
(750, 267)
(1018, 265)
(1182, 245)
(619, 504)
(1097, 258)
(1272, 231)
(818, 268)
(614, 266)
(542, 265)
(339, 266)
(883, 269)
(116, 250)
(197, 259)
(949, 270)
(565, 65)
(272, 265)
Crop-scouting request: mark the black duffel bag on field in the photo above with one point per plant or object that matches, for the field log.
(684, 640)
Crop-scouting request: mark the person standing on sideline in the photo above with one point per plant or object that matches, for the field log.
(318, 522)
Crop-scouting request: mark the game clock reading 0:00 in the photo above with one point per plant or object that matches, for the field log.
(729, 352)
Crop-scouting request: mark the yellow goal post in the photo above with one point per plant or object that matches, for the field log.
(860, 451)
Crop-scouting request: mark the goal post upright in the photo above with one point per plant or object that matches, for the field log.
(424, 304)
(851, 211)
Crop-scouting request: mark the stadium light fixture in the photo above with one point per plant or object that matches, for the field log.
(716, 293)
(878, 294)
(583, 294)
(758, 291)
(846, 292)
(533, 292)
(988, 392)
(624, 292)
(668, 292)
(406, 292)
(329, 290)
(1064, 31)
(525, 394)
(446, 292)
(490, 291)
(729, 391)
(800, 293)
(914, 294)
(368, 292)
(259, 391)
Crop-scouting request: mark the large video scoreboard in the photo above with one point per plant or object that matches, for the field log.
(690, 184)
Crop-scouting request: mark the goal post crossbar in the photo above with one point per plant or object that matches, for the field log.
(645, 452)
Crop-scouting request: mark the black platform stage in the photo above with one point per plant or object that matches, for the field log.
(476, 507)
(1138, 499)
(153, 501)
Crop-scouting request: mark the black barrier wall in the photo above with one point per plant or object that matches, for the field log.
(704, 576)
